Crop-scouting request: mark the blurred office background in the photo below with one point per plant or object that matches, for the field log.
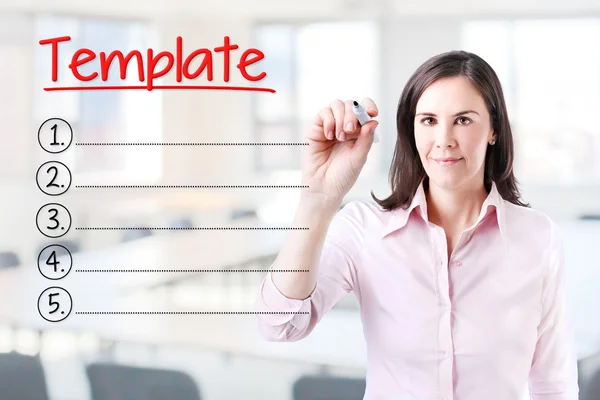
(545, 53)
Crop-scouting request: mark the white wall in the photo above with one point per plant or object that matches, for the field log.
(303, 9)
(408, 42)
(400, 57)
(16, 38)
(220, 115)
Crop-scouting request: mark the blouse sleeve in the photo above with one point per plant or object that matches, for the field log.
(284, 319)
(553, 374)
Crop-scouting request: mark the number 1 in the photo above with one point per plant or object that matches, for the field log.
(54, 142)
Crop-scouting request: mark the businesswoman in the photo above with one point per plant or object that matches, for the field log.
(460, 283)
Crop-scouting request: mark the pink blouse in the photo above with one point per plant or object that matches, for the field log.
(488, 323)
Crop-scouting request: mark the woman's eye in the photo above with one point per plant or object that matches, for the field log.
(460, 118)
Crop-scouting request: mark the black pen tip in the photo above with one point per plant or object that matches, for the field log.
(355, 103)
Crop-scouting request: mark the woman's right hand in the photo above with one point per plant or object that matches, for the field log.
(337, 150)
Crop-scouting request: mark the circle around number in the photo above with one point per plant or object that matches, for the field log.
(70, 135)
(53, 194)
(70, 308)
(63, 231)
(70, 262)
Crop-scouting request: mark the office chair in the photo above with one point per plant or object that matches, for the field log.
(110, 381)
(180, 223)
(591, 391)
(310, 387)
(9, 259)
(22, 377)
(589, 377)
(71, 245)
(241, 213)
(135, 234)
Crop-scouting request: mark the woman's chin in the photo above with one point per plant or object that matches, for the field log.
(447, 182)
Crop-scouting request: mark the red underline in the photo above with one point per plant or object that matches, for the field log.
(186, 87)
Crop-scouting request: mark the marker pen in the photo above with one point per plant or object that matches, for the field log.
(363, 117)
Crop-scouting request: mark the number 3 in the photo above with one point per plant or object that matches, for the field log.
(53, 218)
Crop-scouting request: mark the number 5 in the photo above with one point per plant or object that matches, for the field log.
(51, 303)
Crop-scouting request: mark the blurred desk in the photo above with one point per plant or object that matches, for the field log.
(227, 333)
(233, 333)
(170, 202)
(101, 291)
(175, 251)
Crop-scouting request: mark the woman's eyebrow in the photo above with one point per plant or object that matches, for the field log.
(455, 115)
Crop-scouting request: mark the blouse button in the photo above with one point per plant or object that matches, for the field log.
(459, 263)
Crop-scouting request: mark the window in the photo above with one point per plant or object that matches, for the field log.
(100, 115)
(551, 78)
(309, 66)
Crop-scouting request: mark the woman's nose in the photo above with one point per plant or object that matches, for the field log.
(444, 136)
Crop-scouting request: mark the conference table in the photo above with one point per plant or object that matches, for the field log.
(155, 209)
(96, 294)
(167, 254)
(159, 203)
(228, 333)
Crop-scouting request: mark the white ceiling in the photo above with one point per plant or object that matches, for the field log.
(269, 9)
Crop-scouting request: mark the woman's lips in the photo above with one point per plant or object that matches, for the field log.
(447, 161)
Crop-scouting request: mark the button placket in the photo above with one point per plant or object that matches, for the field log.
(465, 237)
(445, 339)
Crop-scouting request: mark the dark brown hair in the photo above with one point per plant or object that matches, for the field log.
(406, 170)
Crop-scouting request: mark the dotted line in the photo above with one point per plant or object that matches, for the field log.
(192, 144)
(188, 312)
(191, 186)
(188, 228)
(192, 270)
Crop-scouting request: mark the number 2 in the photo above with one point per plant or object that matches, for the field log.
(53, 178)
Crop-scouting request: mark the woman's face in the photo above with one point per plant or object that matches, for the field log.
(452, 132)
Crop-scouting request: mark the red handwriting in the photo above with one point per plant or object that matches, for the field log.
(148, 71)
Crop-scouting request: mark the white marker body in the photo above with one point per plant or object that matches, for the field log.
(363, 118)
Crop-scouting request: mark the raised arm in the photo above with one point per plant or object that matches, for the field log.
(322, 259)
(331, 254)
